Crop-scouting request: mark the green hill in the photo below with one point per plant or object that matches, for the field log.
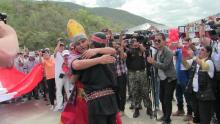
(39, 24)
(116, 16)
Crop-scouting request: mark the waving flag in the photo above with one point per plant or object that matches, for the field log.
(14, 83)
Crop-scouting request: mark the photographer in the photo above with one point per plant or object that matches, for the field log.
(163, 63)
(8, 45)
(137, 77)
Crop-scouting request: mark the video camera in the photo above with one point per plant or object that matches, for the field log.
(211, 23)
(142, 36)
(3, 17)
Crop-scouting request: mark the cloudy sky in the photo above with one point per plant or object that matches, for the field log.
(169, 12)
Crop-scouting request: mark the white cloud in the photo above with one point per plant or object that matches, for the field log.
(169, 12)
(88, 3)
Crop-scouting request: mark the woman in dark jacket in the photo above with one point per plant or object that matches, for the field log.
(202, 87)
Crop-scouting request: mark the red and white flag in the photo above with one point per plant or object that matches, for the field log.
(14, 83)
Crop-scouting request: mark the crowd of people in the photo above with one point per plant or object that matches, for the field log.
(101, 69)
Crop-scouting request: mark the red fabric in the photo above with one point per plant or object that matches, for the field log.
(30, 81)
(185, 52)
(75, 113)
(10, 77)
(15, 81)
(118, 118)
(78, 113)
(173, 34)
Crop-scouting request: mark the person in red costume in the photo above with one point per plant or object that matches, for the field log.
(76, 110)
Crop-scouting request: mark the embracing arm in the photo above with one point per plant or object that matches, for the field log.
(87, 63)
(106, 50)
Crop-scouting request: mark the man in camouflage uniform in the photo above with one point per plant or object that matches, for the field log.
(138, 78)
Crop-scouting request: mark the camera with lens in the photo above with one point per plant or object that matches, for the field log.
(126, 36)
(3, 17)
(211, 23)
(143, 37)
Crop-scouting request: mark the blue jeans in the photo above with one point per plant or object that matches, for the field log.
(180, 91)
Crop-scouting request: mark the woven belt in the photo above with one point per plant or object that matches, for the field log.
(98, 94)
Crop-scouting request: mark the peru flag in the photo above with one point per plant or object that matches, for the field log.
(14, 83)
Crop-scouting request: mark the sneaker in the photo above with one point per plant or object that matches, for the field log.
(196, 120)
(29, 98)
(166, 122)
(45, 99)
(52, 107)
(149, 112)
(179, 113)
(140, 107)
(136, 113)
(37, 98)
(161, 119)
(131, 107)
(56, 109)
(188, 118)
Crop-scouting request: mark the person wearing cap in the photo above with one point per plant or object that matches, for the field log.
(59, 75)
(30, 65)
(108, 34)
(25, 66)
(140, 86)
(79, 45)
(98, 78)
(19, 62)
(66, 70)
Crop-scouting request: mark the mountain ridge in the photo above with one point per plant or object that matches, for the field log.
(124, 18)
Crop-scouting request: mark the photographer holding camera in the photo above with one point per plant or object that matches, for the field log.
(8, 43)
(137, 77)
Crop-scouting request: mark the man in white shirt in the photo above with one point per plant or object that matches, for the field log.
(60, 76)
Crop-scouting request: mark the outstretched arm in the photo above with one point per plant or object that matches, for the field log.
(8, 45)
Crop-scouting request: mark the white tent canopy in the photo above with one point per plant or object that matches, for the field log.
(147, 26)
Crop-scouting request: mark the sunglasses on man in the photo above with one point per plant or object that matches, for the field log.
(157, 41)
